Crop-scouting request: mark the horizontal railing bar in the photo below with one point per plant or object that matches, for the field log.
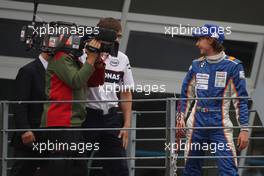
(234, 127)
(129, 158)
(81, 101)
(182, 167)
(229, 111)
(178, 167)
(84, 129)
(218, 157)
(134, 100)
(85, 158)
(93, 168)
(150, 139)
(110, 129)
(160, 112)
(150, 112)
(163, 139)
(150, 167)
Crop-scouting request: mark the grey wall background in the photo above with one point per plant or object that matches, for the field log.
(237, 11)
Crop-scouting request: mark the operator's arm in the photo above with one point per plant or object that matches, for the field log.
(67, 70)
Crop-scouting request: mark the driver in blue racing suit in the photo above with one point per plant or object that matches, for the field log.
(213, 75)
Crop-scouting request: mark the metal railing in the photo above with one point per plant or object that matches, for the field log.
(169, 128)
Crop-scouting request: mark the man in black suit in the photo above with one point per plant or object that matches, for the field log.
(30, 86)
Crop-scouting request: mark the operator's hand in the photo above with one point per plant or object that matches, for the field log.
(28, 138)
(99, 64)
(180, 123)
(92, 53)
(242, 141)
(124, 135)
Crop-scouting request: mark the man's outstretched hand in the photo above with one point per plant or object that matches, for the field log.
(242, 141)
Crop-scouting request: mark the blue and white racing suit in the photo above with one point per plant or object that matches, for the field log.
(225, 78)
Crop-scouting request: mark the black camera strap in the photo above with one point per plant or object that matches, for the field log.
(92, 49)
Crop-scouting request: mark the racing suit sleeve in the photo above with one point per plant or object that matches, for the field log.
(238, 89)
(187, 91)
(68, 71)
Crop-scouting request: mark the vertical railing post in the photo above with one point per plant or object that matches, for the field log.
(1, 134)
(131, 151)
(5, 110)
(170, 135)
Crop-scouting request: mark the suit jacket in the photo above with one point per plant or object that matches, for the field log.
(30, 86)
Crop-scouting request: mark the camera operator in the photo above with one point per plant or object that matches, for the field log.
(30, 86)
(104, 115)
(66, 78)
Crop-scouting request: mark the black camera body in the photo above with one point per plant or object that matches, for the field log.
(69, 37)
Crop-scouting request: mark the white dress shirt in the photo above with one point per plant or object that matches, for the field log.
(43, 61)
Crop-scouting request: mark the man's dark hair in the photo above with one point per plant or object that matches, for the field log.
(218, 47)
(110, 23)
